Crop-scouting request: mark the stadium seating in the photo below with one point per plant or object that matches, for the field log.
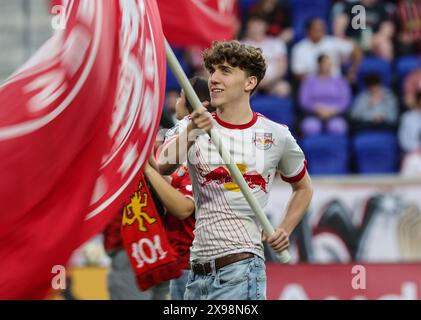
(302, 10)
(326, 154)
(372, 64)
(245, 5)
(376, 152)
(280, 110)
(405, 65)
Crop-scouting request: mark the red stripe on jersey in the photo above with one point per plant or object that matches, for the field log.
(261, 115)
(298, 177)
(236, 126)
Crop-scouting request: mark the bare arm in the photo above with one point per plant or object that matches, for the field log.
(340, 24)
(302, 193)
(174, 201)
(387, 29)
(357, 56)
(296, 208)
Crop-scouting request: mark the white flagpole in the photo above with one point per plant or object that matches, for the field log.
(226, 157)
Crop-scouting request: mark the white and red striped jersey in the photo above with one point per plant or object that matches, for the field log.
(225, 223)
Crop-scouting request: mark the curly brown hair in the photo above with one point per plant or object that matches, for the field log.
(236, 54)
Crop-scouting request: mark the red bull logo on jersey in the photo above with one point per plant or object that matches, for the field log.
(263, 141)
(221, 176)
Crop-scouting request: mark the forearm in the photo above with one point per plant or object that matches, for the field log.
(339, 25)
(357, 56)
(173, 200)
(297, 206)
(282, 67)
(387, 29)
(167, 168)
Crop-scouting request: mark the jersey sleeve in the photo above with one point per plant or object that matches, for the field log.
(179, 127)
(293, 165)
(180, 180)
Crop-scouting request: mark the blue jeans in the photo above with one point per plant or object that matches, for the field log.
(178, 286)
(242, 280)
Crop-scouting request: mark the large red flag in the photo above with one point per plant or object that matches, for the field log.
(136, 114)
(198, 22)
(76, 125)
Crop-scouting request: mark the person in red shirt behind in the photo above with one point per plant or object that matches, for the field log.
(180, 232)
(177, 198)
(180, 206)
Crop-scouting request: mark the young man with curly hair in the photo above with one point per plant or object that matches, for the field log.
(227, 259)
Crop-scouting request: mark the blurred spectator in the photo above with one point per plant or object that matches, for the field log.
(412, 85)
(170, 100)
(325, 97)
(277, 14)
(411, 164)
(305, 52)
(195, 60)
(166, 121)
(376, 107)
(183, 107)
(91, 253)
(337, 8)
(408, 24)
(122, 284)
(275, 53)
(410, 128)
(379, 30)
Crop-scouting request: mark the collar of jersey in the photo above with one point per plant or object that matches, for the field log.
(236, 126)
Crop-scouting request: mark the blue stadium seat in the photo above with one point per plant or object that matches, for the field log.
(374, 64)
(376, 152)
(280, 110)
(405, 65)
(245, 5)
(326, 154)
(302, 10)
(171, 83)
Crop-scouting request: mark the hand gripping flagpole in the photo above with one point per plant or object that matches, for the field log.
(226, 157)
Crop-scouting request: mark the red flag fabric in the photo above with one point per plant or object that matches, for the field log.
(55, 3)
(198, 22)
(76, 125)
(136, 114)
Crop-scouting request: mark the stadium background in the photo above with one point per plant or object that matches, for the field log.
(366, 208)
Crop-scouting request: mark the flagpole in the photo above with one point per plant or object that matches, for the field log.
(184, 82)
